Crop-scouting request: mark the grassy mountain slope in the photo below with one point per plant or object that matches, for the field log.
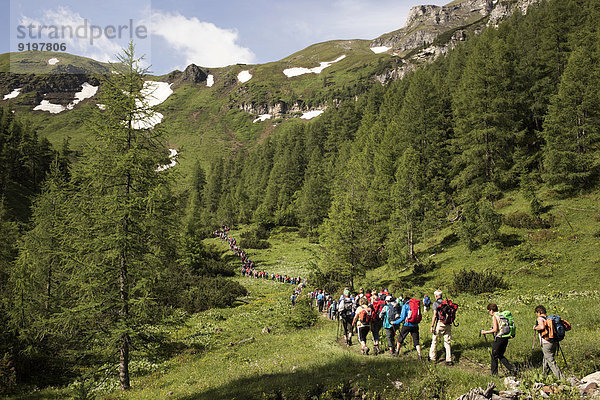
(207, 121)
(36, 62)
(204, 360)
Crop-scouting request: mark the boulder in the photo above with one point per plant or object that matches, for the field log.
(595, 377)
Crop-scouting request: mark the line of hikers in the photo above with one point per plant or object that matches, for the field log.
(371, 311)
(248, 267)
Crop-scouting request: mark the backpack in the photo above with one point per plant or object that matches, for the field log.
(507, 326)
(392, 312)
(556, 328)
(414, 311)
(365, 316)
(376, 308)
(426, 301)
(446, 312)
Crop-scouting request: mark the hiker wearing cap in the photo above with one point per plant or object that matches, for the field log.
(362, 321)
(500, 343)
(410, 316)
(387, 315)
(549, 349)
(438, 328)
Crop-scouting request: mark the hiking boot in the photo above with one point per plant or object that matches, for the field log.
(449, 363)
(367, 351)
(349, 342)
(375, 350)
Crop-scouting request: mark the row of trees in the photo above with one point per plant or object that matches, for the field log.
(102, 256)
(514, 107)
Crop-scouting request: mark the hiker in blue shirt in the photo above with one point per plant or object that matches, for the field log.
(410, 323)
(320, 300)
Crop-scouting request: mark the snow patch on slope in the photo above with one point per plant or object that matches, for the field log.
(312, 114)
(210, 80)
(296, 71)
(156, 92)
(262, 117)
(45, 105)
(12, 94)
(86, 92)
(380, 49)
(244, 76)
(172, 157)
(53, 61)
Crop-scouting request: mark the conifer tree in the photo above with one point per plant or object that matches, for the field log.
(121, 222)
(572, 128)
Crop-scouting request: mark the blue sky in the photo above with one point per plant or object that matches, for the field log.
(208, 33)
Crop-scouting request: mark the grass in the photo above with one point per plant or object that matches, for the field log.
(210, 358)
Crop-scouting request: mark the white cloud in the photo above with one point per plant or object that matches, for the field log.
(102, 49)
(201, 43)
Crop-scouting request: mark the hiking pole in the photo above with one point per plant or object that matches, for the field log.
(563, 355)
(533, 342)
(337, 335)
(486, 343)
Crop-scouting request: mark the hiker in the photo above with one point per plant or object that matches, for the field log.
(388, 314)
(346, 308)
(293, 298)
(549, 348)
(376, 322)
(362, 321)
(439, 328)
(410, 316)
(320, 300)
(500, 341)
(426, 303)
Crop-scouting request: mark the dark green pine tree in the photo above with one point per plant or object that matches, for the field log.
(314, 200)
(485, 125)
(122, 228)
(410, 206)
(193, 220)
(572, 127)
(38, 279)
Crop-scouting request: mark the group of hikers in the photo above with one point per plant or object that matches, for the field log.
(373, 311)
(248, 267)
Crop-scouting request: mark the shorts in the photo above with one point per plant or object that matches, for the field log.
(363, 331)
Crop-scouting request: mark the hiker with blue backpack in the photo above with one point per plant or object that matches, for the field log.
(551, 330)
(502, 329)
(410, 316)
(388, 314)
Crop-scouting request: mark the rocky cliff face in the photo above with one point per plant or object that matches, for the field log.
(277, 109)
(432, 31)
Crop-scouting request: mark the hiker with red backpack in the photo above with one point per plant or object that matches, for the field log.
(410, 316)
(376, 321)
(444, 313)
(501, 337)
(362, 321)
(551, 330)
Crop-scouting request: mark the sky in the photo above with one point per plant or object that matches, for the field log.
(175, 33)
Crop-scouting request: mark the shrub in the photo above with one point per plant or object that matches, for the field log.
(523, 220)
(211, 292)
(424, 267)
(542, 235)
(302, 315)
(255, 238)
(254, 243)
(8, 375)
(474, 282)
